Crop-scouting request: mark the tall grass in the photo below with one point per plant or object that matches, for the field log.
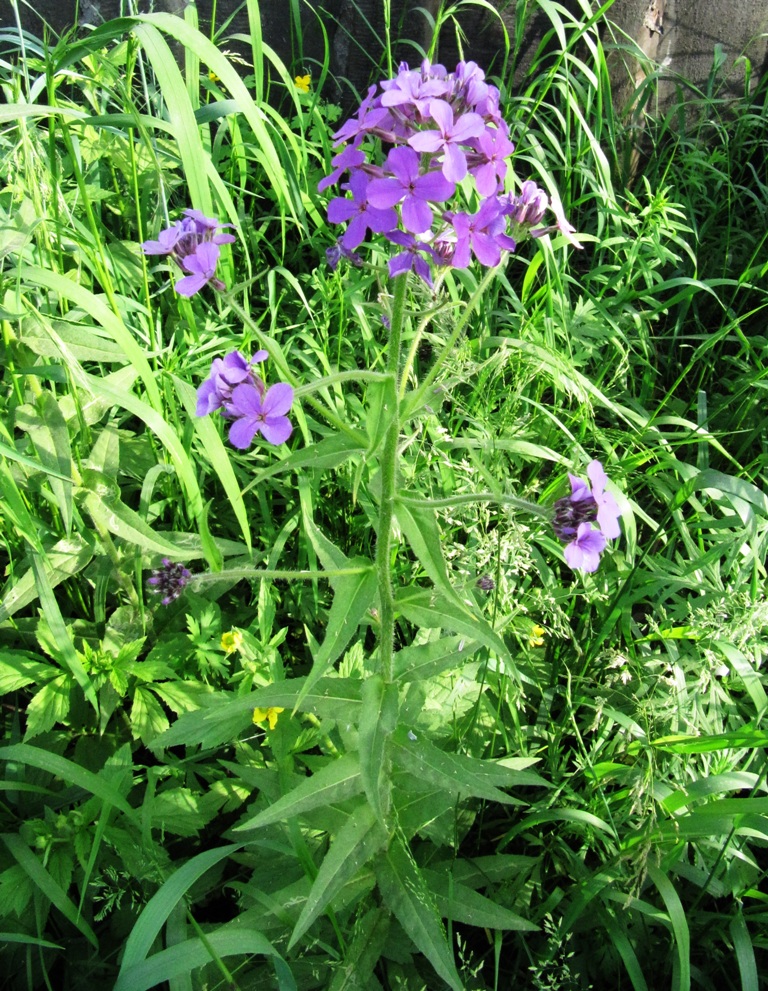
(561, 782)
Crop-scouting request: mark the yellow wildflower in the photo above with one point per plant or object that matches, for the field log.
(268, 715)
(536, 638)
(230, 642)
(213, 77)
(303, 83)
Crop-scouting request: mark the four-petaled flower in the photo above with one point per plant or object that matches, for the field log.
(202, 268)
(193, 244)
(255, 413)
(303, 83)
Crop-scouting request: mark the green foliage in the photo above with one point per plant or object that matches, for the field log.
(337, 761)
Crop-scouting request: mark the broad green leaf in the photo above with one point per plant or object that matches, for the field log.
(458, 902)
(333, 783)
(47, 885)
(362, 954)
(111, 514)
(18, 669)
(177, 811)
(352, 847)
(220, 717)
(419, 526)
(155, 913)
(427, 660)
(148, 720)
(378, 720)
(433, 611)
(456, 773)
(353, 595)
(49, 706)
(408, 898)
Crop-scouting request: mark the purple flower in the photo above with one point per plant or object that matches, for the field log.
(410, 260)
(193, 246)
(574, 516)
(360, 213)
(414, 190)
(169, 580)
(447, 137)
(350, 158)
(481, 234)
(336, 252)
(494, 147)
(227, 373)
(583, 552)
(202, 268)
(255, 413)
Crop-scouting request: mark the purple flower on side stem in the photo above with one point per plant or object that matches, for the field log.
(226, 374)
(575, 515)
(481, 234)
(256, 414)
(169, 580)
(202, 268)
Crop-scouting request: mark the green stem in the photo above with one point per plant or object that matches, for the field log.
(237, 574)
(388, 486)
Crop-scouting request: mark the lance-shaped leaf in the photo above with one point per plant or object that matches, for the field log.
(458, 902)
(433, 611)
(407, 896)
(368, 942)
(221, 716)
(356, 842)
(378, 720)
(420, 529)
(333, 783)
(457, 773)
(427, 660)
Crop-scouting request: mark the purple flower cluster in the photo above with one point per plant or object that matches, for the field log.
(169, 580)
(193, 244)
(575, 517)
(437, 128)
(234, 387)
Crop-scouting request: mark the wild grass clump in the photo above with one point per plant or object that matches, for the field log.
(384, 600)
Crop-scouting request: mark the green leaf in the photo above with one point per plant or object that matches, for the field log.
(177, 811)
(368, 941)
(456, 773)
(232, 940)
(458, 902)
(408, 898)
(419, 526)
(66, 770)
(46, 884)
(335, 782)
(352, 847)
(48, 431)
(427, 660)
(745, 952)
(433, 611)
(17, 669)
(148, 720)
(65, 558)
(221, 717)
(160, 906)
(49, 706)
(353, 595)
(103, 504)
(681, 975)
(378, 720)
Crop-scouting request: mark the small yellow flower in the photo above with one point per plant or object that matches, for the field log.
(269, 715)
(213, 77)
(230, 642)
(536, 638)
(303, 83)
